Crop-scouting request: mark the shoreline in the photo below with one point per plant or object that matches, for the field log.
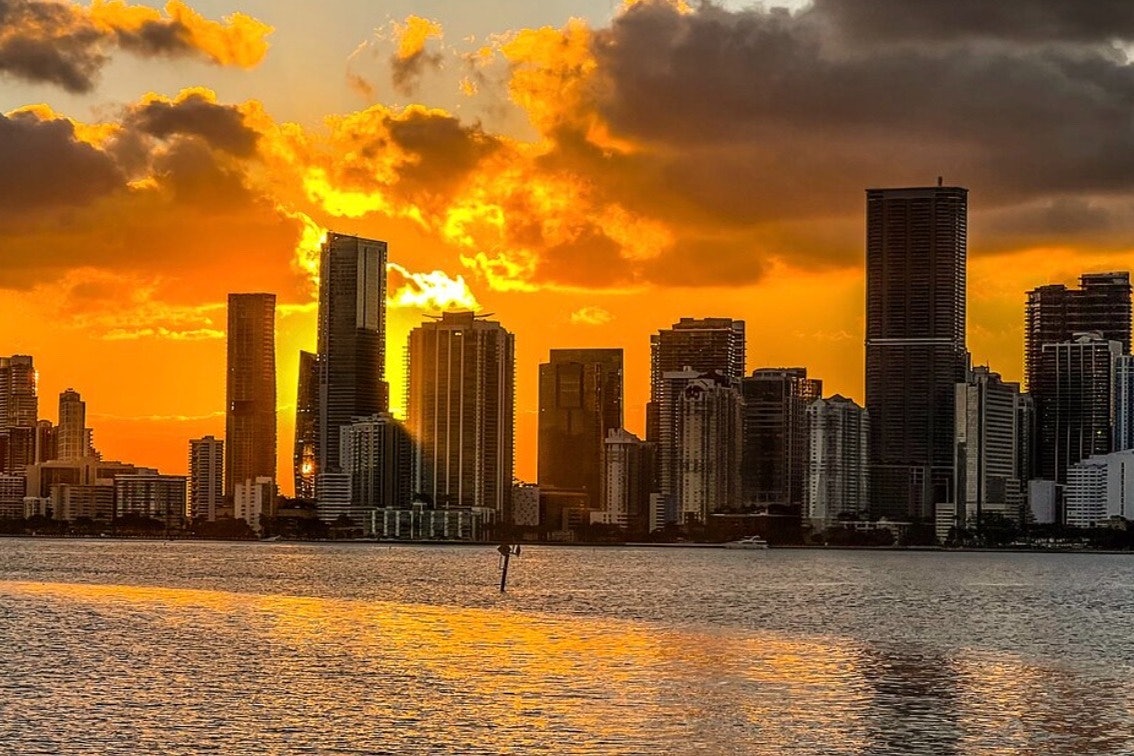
(579, 544)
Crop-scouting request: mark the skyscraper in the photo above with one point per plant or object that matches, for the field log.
(708, 448)
(250, 419)
(1123, 403)
(1074, 401)
(700, 344)
(916, 241)
(991, 431)
(206, 479)
(1054, 314)
(352, 338)
(838, 480)
(775, 434)
(72, 436)
(580, 402)
(19, 412)
(306, 455)
(461, 378)
(628, 476)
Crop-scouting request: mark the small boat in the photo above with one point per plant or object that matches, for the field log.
(751, 542)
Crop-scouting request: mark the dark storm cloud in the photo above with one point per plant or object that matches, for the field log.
(1022, 20)
(42, 164)
(222, 126)
(767, 113)
(445, 148)
(67, 45)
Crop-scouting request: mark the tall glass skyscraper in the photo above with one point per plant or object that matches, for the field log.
(250, 420)
(352, 339)
(916, 245)
(306, 454)
(580, 402)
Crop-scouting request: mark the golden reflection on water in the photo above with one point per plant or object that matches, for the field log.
(358, 673)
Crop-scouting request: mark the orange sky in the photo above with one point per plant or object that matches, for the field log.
(589, 180)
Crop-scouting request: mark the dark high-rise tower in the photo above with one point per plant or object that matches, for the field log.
(460, 387)
(775, 434)
(1054, 314)
(19, 412)
(250, 421)
(700, 344)
(580, 402)
(352, 338)
(306, 453)
(916, 241)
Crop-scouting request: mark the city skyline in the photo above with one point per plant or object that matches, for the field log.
(503, 180)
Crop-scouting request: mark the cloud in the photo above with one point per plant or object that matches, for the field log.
(195, 112)
(428, 291)
(68, 45)
(591, 315)
(410, 59)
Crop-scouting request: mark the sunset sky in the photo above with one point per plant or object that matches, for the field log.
(589, 171)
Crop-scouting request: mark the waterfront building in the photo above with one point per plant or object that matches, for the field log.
(250, 389)
(990, 446)
(701, 344)
(13, 488)
(774, 458)
(627, 481)
(1074, 398)
(838, 480)
(421, 522)
(460, 389)
(1099, 488)
(1054, 314)
(332, 494)
(708, 448)
(19, 412)
(377, 453)
(1123, 403)
(525, 505)
(306, 453)
(916, 246)
(72, 435)
(352, 339)
(206, 479)
(580, 402)
(150, 494)
(255, 499)
(93, 501)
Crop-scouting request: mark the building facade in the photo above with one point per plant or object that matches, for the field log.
(460, 396)
(352, 339)
(72, 436)
(1074, 399)
(254, 500)
(377, 453)
(206, 479)
(627, 481)
(149, 494)
(838, 479)
(580, 402)
(708, 449)
(306, 452)
(990, 445)
(701, 344)
(1100, 488)
(250, 390)
(916, 247)
(1123, 403)
(775, 434)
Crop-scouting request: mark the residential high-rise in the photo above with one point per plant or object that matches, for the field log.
(254, 500)
(708, 448)
(628, 477)
(377, 454)
(72, 433)
(1123, 403)
(916, 241)
(460, 394)
(150, 494)
(775, 434)
(306, 455)
(352, 339)
(1055, 313)
(19, 402)
(838, 479)
(990, 443)
(580, 402)
(700, 344)
(206, 479)
(1074, 397)
(250, 419)
(1098, 488)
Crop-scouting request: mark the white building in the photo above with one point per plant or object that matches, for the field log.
(1123, 402)
(838, 479)
(332, 496)
(1099, 488)
(206, 478)
(13, 488)
(253, 499)
(709, 448)
(990, 448)
(627, 475)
